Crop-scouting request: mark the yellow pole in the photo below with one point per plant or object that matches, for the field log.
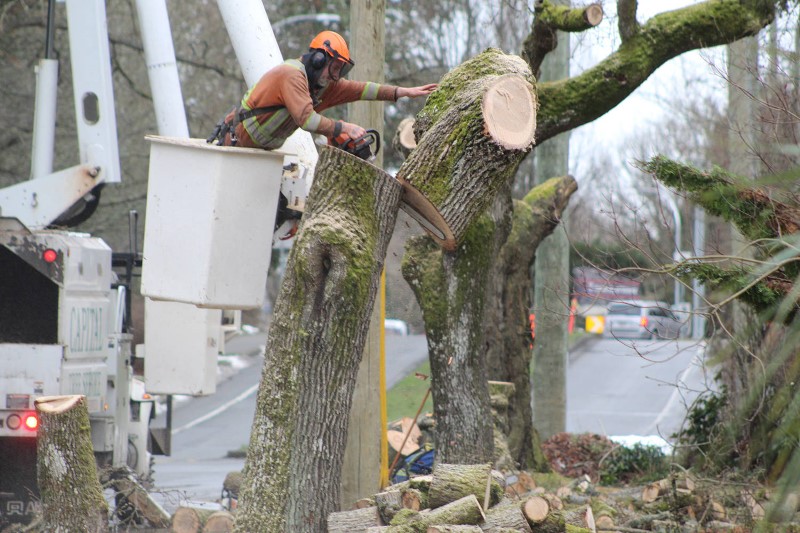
(384, 417)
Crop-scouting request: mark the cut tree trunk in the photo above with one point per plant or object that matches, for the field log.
(506, 325)
(389, 503)
(72, 498)
(353, 521)
(452, 482)
(472, 134)
(464, 511)
(314, 348)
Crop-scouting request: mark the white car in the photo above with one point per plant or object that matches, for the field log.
(643, 319)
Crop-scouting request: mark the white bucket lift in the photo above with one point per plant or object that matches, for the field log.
(210, 218)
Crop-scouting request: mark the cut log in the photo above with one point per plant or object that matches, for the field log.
(605, 523)
(505, 516)
(454, 529)
(466, 510)
(557, 521)
(190, 519)
(414, 499)
(404, 140)
(472, 134)
(389, 503)
(131, 493)
(354, 521)
(219, 522)
(656, 489)
(363, 502)
(452, 482)
(315, 344)
(554, 501)
(65, 460)
(535, 509)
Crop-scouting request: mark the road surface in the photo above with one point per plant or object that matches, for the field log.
(614, 388)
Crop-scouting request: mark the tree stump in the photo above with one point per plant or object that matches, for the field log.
(472, 134)
(72, 498)
(316, 340)
(357, 520)
(452, 482)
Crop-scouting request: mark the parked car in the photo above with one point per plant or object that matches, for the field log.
(393, 326)
(644, 319)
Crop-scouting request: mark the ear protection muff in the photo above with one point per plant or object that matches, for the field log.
(318, 60)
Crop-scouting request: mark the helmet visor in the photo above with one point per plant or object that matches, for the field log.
(339, 68)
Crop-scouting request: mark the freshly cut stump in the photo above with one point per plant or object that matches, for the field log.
(65, 460)
(471, 135)
(404, 141)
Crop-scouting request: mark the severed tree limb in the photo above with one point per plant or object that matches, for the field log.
(567, 104)
(548, 19)
(626, 11)
(756, 211)
(293, 468)
(72, 498)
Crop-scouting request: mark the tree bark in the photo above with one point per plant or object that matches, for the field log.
(293, 466)
(72, 498)
(507, 329)
(473, 132)
(450, 288)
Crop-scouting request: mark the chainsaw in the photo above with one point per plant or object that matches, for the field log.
(361, 146)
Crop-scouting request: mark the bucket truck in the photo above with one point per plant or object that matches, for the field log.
(64, 296)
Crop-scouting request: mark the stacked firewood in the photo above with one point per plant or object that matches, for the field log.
(462, 498)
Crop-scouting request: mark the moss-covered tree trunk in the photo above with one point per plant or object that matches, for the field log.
(507, 329)
(72, 498)
(471, 135)
(293, 467)
(450, 288)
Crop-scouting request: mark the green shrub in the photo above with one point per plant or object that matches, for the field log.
(640, 463)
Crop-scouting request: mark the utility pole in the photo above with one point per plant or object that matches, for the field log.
(362, 461)
(551, 277)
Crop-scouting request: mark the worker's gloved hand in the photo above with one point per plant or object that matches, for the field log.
(354, 131)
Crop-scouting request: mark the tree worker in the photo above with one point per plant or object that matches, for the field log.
(292, 94)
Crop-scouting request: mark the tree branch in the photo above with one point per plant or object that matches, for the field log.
(753, 209)
(627, 24)
(567, 104)
(547, 20)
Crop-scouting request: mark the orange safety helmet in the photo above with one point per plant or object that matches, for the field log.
(335, 46)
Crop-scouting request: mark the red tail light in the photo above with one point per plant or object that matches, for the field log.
(31, 422)
(643, 321)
